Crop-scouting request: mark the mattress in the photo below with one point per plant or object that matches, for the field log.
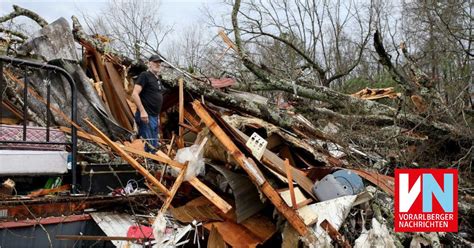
(33, 134)
(28, 162)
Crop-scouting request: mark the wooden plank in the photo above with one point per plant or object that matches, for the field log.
(215, 239)
(190, 128)
(386, 183)
(156, 157)
(235, 234)
(42, 192)
(210, 195)
(299, 197)
(274, 162)
(190, 118)
(94, 70)
(180, 142)
(117, 86)
(334, 234)
(116, 103)
(206, 191)
(261, 226)
(308, 215)
(252, 170)
(290, 184)
(144, 172)
(286, 154)
(174, 189)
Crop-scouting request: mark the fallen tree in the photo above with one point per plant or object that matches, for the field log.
(317, 103)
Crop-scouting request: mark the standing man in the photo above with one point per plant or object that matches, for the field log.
(147, 94)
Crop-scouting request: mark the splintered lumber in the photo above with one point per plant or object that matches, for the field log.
(334, 234)
(274, 162)
(130, 160)
(190, 118)
(180, 142)
(386, 183)
(190, 128)
(253, 171)
(373, 94)
(215, 239)
(290, 184)
(210, 195)
(156, 157)
(114, 92)
(174, 189)
(42, 192)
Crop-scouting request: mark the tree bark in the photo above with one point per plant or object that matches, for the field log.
(19, 11)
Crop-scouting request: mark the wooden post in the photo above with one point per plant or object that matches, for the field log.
(290, 184)
(130, 160)
(180, 142)
(253, 171)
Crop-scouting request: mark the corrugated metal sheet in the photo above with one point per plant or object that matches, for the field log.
(247, 200)
(114, 224)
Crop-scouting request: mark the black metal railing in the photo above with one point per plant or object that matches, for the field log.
(25, 64)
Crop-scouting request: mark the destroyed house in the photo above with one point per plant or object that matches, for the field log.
(229, 170)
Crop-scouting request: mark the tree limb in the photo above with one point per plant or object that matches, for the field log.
(19, 11)
(15, 33)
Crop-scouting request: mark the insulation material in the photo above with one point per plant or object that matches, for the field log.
(378, 236)
(159, 228)
(196, 162)
(335, 211)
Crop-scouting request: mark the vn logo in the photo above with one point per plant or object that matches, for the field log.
(426, 200)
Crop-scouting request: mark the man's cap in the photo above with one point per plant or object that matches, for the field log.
(155, 58)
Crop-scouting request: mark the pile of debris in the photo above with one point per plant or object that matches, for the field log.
(229, 171)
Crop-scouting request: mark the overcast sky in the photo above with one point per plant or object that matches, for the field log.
(181, 13)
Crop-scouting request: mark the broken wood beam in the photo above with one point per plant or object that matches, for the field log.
(96, 139)
(190, 128)
(334, 234)
(290, 184)
(169, 147)
(275, 163)
(254, 172)
(180, 142)
(190, 118)
(210, 195)
(174, 189)
(42, 192)
(144, 172)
